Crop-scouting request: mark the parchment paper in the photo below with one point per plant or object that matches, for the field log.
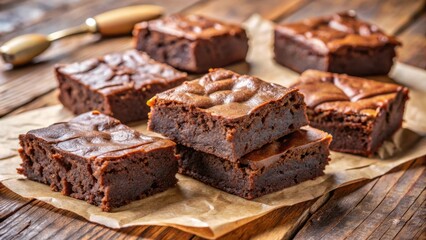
(198, 208)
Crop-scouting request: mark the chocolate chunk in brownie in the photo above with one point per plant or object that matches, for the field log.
(117, 84)
(340, 43)
(192, 43)
(227, 114)
(359, 113)
(297, 157)
(95, 158)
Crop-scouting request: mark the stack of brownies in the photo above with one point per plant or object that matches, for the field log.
(240, 134)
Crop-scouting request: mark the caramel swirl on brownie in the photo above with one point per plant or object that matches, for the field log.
(359, 113)
(339, 43)
(224, 93)
(333, 33)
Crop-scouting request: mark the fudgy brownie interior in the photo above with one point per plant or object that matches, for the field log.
(117, 84)
(297, 157)
(227, 114)
(191, 42)
(95, 158)
(340, 43)
(359, 113)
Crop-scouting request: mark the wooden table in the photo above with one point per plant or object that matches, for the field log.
(392, 206)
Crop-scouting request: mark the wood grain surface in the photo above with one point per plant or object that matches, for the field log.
(392, 206)
(373, 209)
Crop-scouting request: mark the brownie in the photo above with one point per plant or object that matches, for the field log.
(117, 84)
(95, 158)
(359, 113)
(340, 43)
(297, 157)
(227, 114)
(191, 42)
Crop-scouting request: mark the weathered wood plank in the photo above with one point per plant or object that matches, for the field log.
(348, 196)
(413, 39)
(371, 210)
(10, 202)
(396, 202)
(392, 225)
(61, 18)
(416, 226)
(9, 3)
(44, 221)
(344, 201)
(368, 203)
(30, 12)
(48, 99)
(390, 15)
(238, 11)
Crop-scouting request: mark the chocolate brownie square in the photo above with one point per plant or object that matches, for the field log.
(359, 113)
(192, 43)
(95, 158)
(340, 43)
(117, 84)
(227, 114)
(297, 157)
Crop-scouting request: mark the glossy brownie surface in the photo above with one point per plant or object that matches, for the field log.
(96, 136)
(226, 94)
(334, 33)
(360, 113)
(192, 26)
(343, 93)
(120, 71)
(117, 84)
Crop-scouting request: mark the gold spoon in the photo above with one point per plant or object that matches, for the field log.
(21, 50)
